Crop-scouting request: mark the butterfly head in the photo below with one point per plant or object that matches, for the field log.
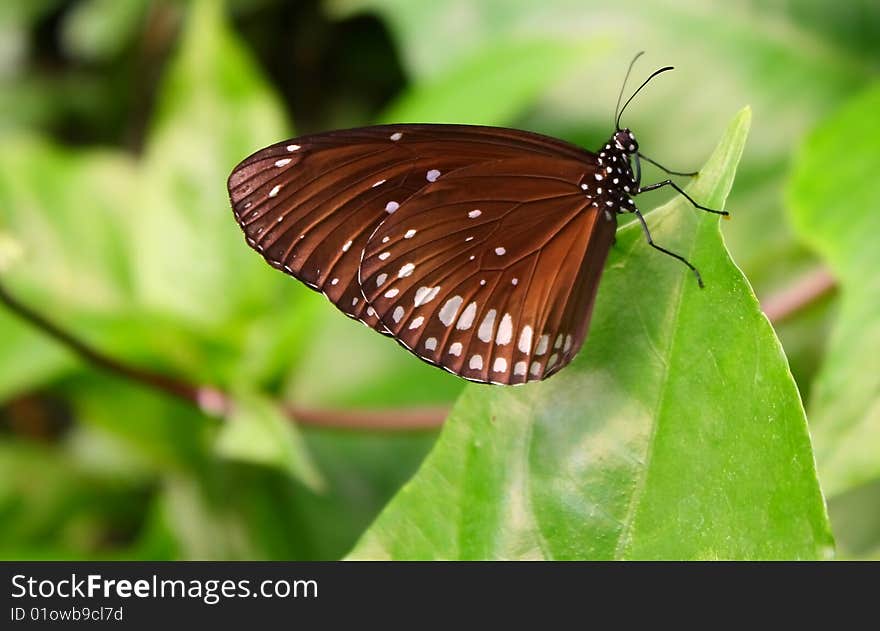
(625, 141)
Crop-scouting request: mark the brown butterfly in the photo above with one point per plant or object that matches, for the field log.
(479, 249)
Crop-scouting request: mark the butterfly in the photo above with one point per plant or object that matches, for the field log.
(479, 249)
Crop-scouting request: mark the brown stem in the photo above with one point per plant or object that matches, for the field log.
(403, 419)
(804, 292)
(216, 402)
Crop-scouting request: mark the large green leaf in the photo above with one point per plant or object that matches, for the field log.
(833, 196)
(676, 433)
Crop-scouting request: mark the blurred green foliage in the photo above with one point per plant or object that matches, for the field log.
(119, 122)
(834, 207)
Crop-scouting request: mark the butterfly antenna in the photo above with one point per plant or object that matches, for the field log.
(644, 83)
(623, 87)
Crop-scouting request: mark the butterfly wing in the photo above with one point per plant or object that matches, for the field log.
(309, 204)
(492, 271)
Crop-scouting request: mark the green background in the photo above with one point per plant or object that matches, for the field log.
(678, 431)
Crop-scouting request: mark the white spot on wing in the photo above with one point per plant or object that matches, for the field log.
(455, 349)
(500, 365)
(558, 342)
(487, 326)
(432, 175)
(292, 148)
(543, 345)
(567, 346)
(381, 279)
(450, 309)
(282, 162)
(406, 270)
(525, 339)
(392, 292)
(274, 190)
(535, 369)
(346, 246)
(390, 207)
(519, 369)
(505, 330)
(396, 136)
(475, 213)
(417, 322)
(409, 234)
(384, 256)
(500, 251)
(424, 295)
(467, 317)
(476, 362)
(431, 343)
(397, 316)
(379, 183)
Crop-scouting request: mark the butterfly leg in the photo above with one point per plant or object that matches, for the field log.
(651, 187)
(696, 272)
(669, 171)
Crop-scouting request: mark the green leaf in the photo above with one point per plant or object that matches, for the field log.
(258, 431)
(42, 191)
(491, 88)
(99, 29)
(10, 251)
(833, 196)
(27, 357)
(214, 109)
(677, 432)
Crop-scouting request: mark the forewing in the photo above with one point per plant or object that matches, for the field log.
(309, 204)
(492, 271)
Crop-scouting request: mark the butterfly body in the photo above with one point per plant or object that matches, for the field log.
(478, 249)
